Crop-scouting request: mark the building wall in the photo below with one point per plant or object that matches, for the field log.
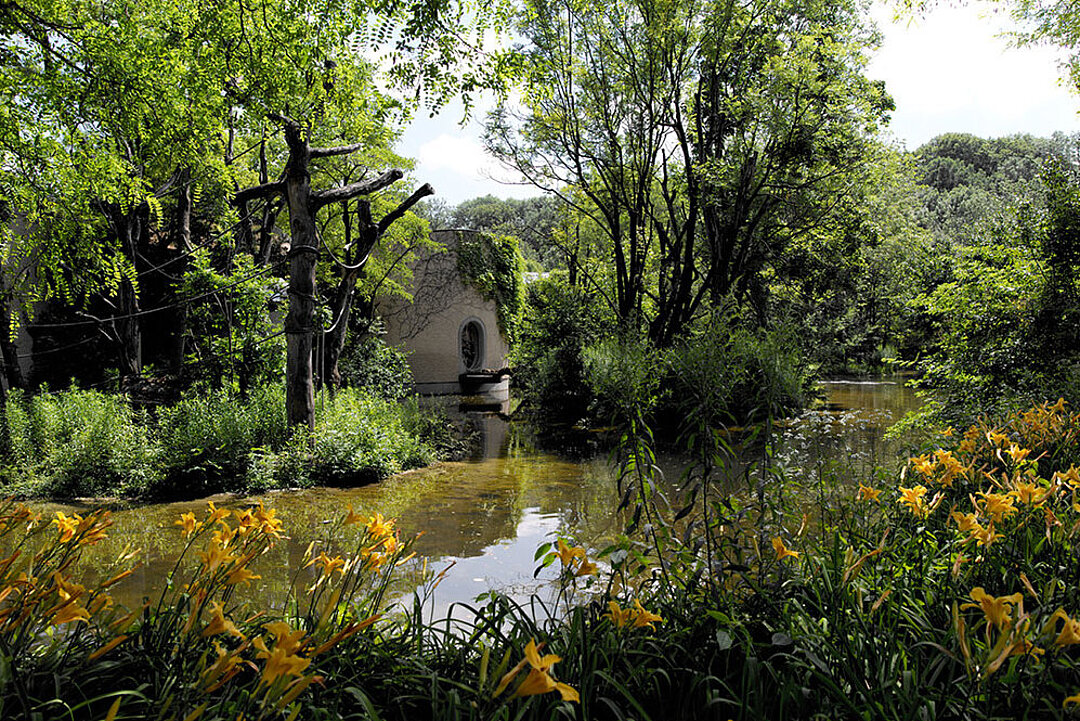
(430, 327)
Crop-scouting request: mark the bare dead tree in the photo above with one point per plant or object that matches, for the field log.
(304, 204)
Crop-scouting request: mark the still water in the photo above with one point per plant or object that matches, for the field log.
(484, 519)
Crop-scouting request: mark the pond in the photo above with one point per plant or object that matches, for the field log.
(485, 518)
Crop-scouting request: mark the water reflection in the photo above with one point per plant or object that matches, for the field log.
(486, 517)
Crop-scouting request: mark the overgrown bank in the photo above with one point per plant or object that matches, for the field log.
(84, 443)
(949, 592)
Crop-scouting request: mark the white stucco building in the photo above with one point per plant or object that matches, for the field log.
(450, 332)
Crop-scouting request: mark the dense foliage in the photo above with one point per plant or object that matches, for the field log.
(492, 264)
(949, 591)
(79, 443)
(691, 144)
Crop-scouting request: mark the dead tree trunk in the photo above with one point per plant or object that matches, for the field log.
(368, 234)
(304, 206)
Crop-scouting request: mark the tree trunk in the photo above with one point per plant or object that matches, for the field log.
(126, 323)
(335, 343)
(303, 255)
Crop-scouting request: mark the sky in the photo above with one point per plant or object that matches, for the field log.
(949, 71)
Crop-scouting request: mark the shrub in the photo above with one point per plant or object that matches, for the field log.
(78, 443)
(624, 376)
(370, 365)
(724, 370)
(207, 438)
(232, 339)
(357, 439)
(85, 443)
(559, 322)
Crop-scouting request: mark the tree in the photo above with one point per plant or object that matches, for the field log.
(532, 220)
(303, 205)
(123, 113)
(970, 183)
(699, 139)
(106, 114)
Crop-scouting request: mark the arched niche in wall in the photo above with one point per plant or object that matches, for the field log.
(471, 345)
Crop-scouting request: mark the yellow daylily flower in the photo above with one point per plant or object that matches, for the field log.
(1031, 494)
(225, 666)
(219, 624)
(240, 574)
(996, 610)
(913, 499)
(269, 523)
(985, 536)
(618, 616)
(280, 662)
(644, 618)
(966, 522)
(187, 523)
(783, 551)
(951, 467)
(1069, 635)
(68, 612)
(539, 680)
(866, 493)
(999, 506)
(284, 636)
(587, 568)
(1071, 476)
(215, 556)
(245, 521)
(567, 554)
(1017, 453)
(66, 525)
(924, 465)
(328, 565)
(352, 518)
(216, 514)
(224, 536)
(378, 526)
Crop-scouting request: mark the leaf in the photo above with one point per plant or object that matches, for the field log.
(541, 550)
(781, 639)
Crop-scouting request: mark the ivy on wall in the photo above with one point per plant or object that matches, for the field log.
(493, 265)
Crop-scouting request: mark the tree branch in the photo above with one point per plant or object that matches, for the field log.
(346, 192)
(419, 194)
(336, 150)
(265, 190)
(284, 120)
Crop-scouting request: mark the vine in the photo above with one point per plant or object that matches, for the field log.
(493, 265)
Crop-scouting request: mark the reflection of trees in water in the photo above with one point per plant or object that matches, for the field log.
(461, 508)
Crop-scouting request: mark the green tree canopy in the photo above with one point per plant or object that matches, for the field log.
(693, 141)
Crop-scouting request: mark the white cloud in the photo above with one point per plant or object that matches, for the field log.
(463, 154)
(951, 71)
(455, 163)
